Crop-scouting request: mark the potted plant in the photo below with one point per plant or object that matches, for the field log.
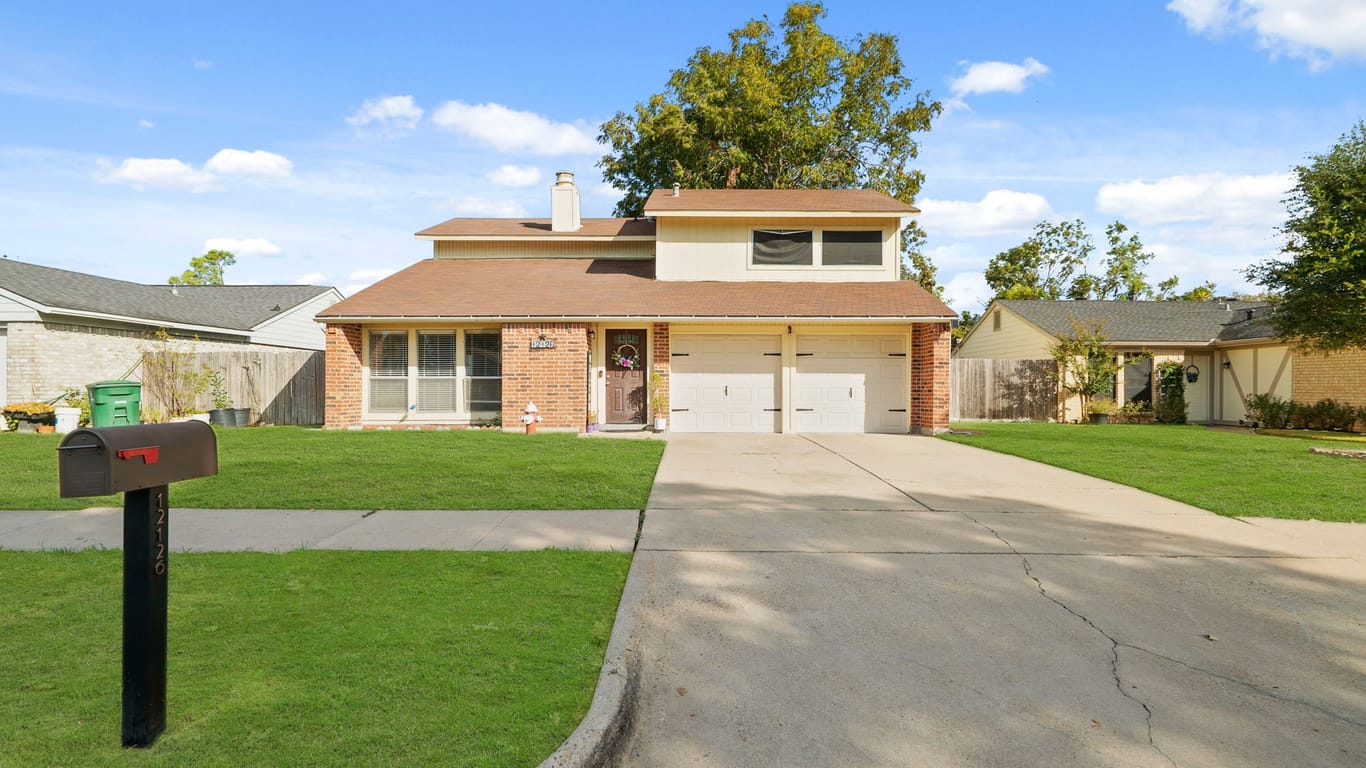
(592, 425)
(31, 417)
(1101, 409)
(659, 401)
(221, 414)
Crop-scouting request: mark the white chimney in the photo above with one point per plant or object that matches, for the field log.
(564, 203)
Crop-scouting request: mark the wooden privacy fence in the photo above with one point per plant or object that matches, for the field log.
(279, 386)
(1003, 389)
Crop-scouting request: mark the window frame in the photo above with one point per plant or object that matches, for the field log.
(461, 413)
(818, 250)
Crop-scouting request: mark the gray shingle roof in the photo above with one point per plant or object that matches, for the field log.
(231, 307)
(1152, 321)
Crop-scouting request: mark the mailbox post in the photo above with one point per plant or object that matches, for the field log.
(141, 461)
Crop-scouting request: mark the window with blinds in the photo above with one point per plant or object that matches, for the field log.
(436, 375)
(483, 373)
(388, 371)
(851, 248)
(772, 246)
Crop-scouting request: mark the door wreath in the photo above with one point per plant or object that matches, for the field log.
(626, 357)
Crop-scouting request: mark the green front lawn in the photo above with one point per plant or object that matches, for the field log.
(1235, 474)
(296, 468)
(312, 658)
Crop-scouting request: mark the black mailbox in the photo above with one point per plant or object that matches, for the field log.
(105, 460)
(141, 461)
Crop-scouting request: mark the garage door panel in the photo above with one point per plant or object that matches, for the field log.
(851, 384)
(725, 383)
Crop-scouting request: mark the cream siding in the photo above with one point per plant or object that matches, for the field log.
(1256, 370)
(715, 248)
(1198, 399)
(1017, 339)
(295, 327)
(4, 364)
(13, 311)
(548, 248)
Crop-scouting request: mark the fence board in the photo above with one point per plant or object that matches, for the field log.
(279, 386)
(1003, 389)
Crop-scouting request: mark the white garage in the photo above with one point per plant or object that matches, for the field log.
(850, 384)
(725, 383)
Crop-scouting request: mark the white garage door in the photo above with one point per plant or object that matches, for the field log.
(851, 384)
(724, 383)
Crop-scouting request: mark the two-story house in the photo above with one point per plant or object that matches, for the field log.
(760, 311)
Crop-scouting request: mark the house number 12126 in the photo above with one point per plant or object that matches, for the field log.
(159, 566)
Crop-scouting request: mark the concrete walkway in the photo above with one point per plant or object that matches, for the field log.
(880, 600)
(275, 530)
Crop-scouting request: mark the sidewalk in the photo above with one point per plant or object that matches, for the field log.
(281, 530)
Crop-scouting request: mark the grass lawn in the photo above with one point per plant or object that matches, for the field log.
(297, 468)
(312, 658)
(1225, 472)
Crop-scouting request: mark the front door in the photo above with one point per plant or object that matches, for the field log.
(626, 357)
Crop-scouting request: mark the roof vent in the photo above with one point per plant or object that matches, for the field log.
(675, 189)
(564, 203)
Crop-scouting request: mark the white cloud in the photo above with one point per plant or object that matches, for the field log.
(1209, 197)
(510, 130)
(252, 246)
(481, 206)
(312, 278)
(259, 163)
(1001, 211)
(199, 63)
(157, 172)
(146, 125)
(364, 278)
(967, 290)
(996, 77)
(1318, 31)
(515, 175)
(396, 112)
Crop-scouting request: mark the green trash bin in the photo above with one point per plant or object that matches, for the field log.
(115, 403)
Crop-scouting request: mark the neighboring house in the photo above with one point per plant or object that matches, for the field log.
(1229, 346)
(759, 310)
(66, 329)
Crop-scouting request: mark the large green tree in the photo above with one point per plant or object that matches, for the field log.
(779, 109)
(1042, 266)
(1321, 281)
(206, 269)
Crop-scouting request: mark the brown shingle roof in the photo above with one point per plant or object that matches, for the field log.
(539, 228)
(602, 288)
(662, 201)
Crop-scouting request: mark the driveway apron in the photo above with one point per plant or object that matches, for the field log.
(880, 600)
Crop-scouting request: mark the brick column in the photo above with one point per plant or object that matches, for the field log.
(929, 378)
(556, 380)
(659, 363)
(343, 378)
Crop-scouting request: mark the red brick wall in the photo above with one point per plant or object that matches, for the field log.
(929, 378)
(659, 363)
(1337, 375)
(556, 380)
(343, 384)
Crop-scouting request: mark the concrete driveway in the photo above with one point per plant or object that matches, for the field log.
(878, 600)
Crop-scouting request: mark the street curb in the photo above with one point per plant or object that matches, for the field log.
(601, 739)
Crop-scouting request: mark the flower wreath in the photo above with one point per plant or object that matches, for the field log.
(627, 357)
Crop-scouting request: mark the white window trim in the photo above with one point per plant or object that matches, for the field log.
(818, 252)
(461, 414)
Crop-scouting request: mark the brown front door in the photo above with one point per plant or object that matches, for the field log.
(626, 357)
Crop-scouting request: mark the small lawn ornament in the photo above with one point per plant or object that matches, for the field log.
(530, 417)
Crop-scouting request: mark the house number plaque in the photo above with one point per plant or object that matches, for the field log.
(542, 343)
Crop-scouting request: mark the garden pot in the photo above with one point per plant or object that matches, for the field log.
(222, 417)
(67, 419)
(1100, 418)
(45, 429)
(241, 417)
(661, 424)
(592, 428)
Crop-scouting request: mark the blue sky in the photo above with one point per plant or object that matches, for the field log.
(313, 140)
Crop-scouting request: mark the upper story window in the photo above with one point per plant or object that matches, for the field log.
(826, 248)
(781, 246)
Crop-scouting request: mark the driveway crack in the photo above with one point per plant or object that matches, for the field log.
(1114, 644)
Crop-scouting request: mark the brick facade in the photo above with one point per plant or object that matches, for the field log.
(929, 401)
(344, 379)
(1340, 376)
(659, 363)
(556, 380)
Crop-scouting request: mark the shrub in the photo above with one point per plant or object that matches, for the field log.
(1270, 412)
(77, 398)
(1330, 414)
(1171, 393)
